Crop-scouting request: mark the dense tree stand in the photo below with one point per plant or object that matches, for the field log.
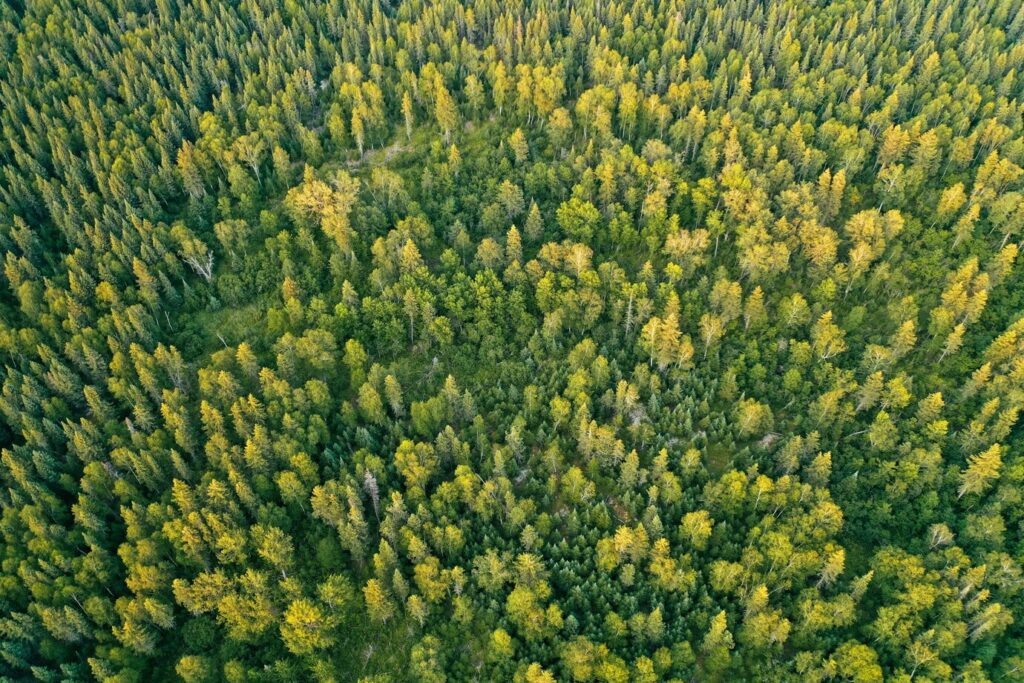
(530, 341)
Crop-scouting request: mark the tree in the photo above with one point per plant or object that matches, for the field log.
(194, 251)
(712, 327)
(578, 219)
(536, 674)
(276, 549)
(982, 470)
(696, 528)
(950, 201)
(517, 142)
(717, 641)
(534, 224)
(857, 662)
(754, 311)
(336, 592)
(379, 604)
(190, 169)
(393, 393)
(664, 344)
(306, 628)
(753, 417)
(827, 337)
(834, 564)
(424, 661)
(250, 149)
(510, 196)
(370, 405)
(445, 110)
(194, 669)
(502, 647)
(408, 114)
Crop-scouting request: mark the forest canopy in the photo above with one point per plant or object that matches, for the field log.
(531, 341)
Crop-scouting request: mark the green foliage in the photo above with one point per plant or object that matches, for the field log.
(456, 341)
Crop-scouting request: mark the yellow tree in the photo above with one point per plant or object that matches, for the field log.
(445, 110)
(827, 337)
(982, 470)
(379, 604)
(306, 628)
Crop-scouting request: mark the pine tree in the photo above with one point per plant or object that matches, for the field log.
(982, 470)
